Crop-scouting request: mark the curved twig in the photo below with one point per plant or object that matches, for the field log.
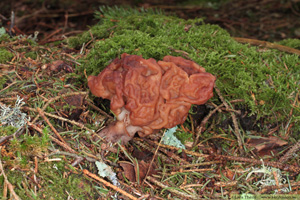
(267, 45)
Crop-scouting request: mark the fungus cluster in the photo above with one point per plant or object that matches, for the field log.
(146, 95)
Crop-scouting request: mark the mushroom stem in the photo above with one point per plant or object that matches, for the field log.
(120, 130)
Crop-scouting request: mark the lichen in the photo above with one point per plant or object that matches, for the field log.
(13, 116)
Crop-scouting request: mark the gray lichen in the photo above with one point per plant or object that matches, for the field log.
(13, 116)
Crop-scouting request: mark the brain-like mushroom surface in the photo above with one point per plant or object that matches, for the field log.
(147, 95)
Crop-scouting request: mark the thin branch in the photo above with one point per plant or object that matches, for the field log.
(290, 152)
(60, 118)
(234, 120)
(50, 125)
(278, 165)
(88, 101)
(15, 134)
(56, 98)
(168, 188)
(267, 45)
(184, 150)
(201, 128)
(64, 145)
(10, 186)
(108, 184)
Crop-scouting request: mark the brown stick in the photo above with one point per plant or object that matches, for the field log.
(56, 98)
(50, 125)
(184, 150)
(278, 165)
(290, 152)
(267, 45)
(64, 145)
(108, 184)
(234, 120)
(9, 185)
(15, 134)
(166, 187)
(60, 118)
(201, 128)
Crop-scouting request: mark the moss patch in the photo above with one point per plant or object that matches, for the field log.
(7, 130)
(5, 55)
(55, 183)
(267, 80)
(54, 178)
(293, 43)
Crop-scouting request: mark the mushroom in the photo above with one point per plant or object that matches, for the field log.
(147, 95)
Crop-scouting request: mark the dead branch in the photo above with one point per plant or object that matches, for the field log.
(108, 184)
(267, 45)
(10, 186)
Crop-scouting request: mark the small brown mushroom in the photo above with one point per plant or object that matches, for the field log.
(147, 95)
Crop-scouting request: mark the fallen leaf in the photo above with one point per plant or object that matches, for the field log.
(133, 172)
(265, 145)
(74, 100)
(129, 171)
(228, 173)
(59, 65)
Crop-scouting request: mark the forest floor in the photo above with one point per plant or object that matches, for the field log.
(48, 117)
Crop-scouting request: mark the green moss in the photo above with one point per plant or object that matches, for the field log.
(5, 55)
(293, 43)
(4, 37)
(31, 54)
(54, 182)
(2, 81)
(184, 136)
(26, 147)
(7, 130)
(267, 81)
(57, 186)
(55, 178)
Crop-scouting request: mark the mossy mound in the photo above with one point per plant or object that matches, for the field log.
(5, 55)
(293, 43)
(54, 178)
(268, 80)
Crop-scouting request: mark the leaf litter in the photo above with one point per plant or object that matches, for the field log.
(62, 119)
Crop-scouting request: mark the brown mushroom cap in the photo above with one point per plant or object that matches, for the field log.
(153, 95)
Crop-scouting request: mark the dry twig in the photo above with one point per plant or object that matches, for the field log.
(64, 145)
(234, 120)
(60, 118)
(15, 134)
(56, 98)
(9, 185)
(184, 150)
(201, 128)
(50, 125)
(176, 192)
(290, 152)
(267, 45)
(278, 165)
(108, 184)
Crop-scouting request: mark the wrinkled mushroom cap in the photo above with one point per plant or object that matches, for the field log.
(154, 94)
